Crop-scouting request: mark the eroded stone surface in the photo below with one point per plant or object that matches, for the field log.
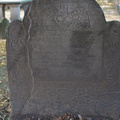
(19, 73)
(72, 60)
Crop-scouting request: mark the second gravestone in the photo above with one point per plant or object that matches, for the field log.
(64, 57)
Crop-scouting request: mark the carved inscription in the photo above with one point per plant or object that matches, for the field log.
(66, 54)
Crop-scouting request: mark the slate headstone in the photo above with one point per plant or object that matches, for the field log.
(64, 57)
(19, 73)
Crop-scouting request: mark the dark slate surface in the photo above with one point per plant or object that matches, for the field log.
(64, 57)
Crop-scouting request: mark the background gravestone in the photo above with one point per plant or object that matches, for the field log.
(64, 57)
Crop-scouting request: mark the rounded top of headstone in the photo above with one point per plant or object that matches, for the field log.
(95, 13)
(68, 14)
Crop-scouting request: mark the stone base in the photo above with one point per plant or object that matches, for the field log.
(67, 116)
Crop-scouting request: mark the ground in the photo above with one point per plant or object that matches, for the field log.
(110, 14)
(4, 97)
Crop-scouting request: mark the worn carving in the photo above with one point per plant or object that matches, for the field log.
(19, 73)
(112, 52)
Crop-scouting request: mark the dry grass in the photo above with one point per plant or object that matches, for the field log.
(4, 92)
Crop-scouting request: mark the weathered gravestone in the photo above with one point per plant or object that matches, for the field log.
(64, 57)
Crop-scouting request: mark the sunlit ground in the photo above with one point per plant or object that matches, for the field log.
(4, 97)
(109, 10)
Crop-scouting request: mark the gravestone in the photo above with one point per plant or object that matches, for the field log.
(64, 57)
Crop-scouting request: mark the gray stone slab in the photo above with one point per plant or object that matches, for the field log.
(19, 72)
(65, 58)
